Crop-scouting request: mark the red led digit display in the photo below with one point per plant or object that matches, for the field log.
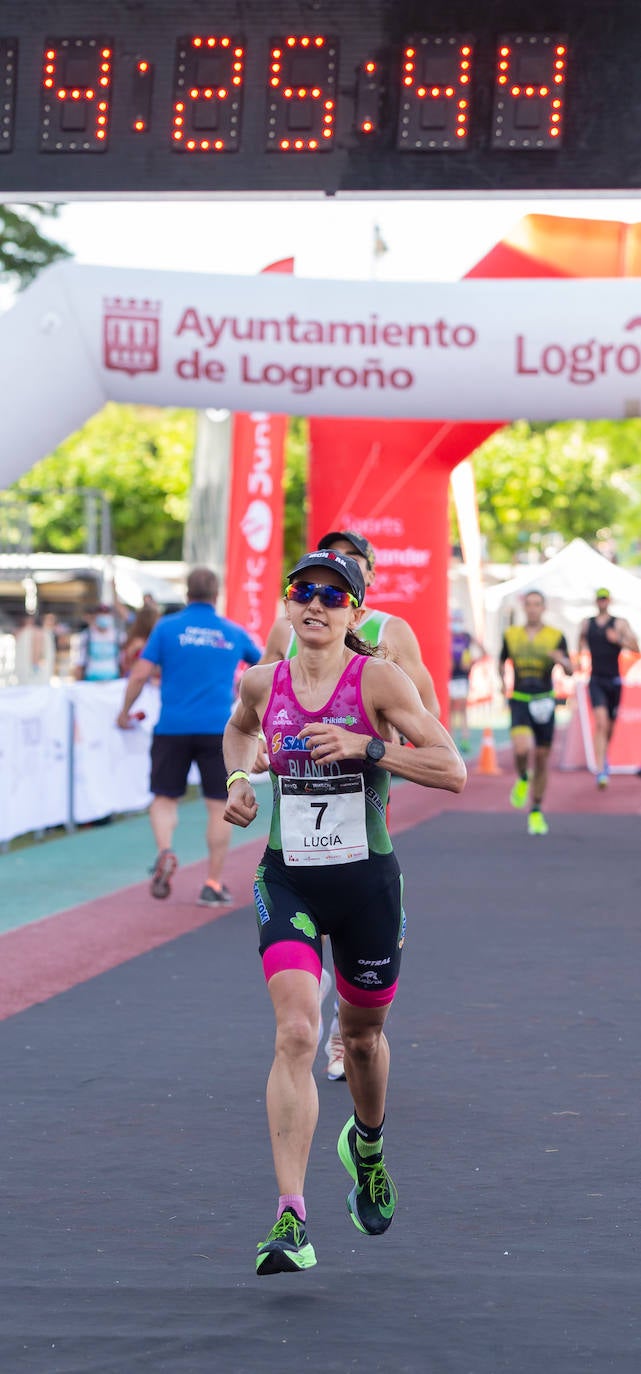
(76, 91)
(8, 59)
(301, 104)
(529, 96)
(141, 92)
(369, 90)
(403, 98)
(208, 94)
(434, 109)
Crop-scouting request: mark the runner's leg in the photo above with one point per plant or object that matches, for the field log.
(292, 1096)
(163, 814)
(367, 1058)
(603, 728)
(540, 774)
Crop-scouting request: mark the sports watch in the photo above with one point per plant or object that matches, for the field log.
(374, 749)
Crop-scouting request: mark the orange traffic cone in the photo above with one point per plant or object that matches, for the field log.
(487, 758)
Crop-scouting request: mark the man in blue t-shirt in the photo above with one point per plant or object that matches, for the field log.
(197, 653)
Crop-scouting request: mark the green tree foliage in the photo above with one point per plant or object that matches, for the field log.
(295, 487)
(24, 248)
(578, 478)
(140, 457)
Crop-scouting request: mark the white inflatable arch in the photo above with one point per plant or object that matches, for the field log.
(467, 350)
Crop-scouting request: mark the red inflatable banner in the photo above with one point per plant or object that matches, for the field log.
(389, 480)
(255, 528)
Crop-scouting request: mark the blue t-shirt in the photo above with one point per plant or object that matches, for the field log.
(198, 652)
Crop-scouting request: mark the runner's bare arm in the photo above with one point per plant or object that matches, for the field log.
(241, 742)
(139, 675)
(561, 656)
(404, 649)
(391, 700)
(583, 636)
(626, 636)
(503, 661)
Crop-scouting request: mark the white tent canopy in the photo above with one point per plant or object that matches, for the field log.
(568, 582)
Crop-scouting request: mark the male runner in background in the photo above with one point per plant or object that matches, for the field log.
(391, 632)
(533, 650)
(604, 636)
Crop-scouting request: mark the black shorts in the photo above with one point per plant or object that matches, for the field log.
(522, 719)
(606, 692)
(172, 757)
(358, 905)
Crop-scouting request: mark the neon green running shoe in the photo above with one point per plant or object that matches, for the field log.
(372, 1201)
(287, 1248)
(537, 824)
(518, 795)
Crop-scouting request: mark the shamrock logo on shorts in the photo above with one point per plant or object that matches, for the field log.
(301, 921)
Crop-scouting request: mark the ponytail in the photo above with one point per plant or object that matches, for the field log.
(361, 646)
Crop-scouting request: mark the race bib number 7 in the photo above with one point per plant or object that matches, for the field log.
(322, 820)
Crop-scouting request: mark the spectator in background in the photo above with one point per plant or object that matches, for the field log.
(35, 652)
(62, 637)
(197, 653)
(464, 651)
(99, 647)
(604, 636)
(137, 636)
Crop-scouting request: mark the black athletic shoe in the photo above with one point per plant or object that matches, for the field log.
(210, 897)
(372, 1201)
(162, 873)
(287, 1248)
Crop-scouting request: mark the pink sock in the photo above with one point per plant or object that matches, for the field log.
(291, 1200)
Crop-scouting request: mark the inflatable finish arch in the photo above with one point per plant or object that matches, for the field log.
(428, 369)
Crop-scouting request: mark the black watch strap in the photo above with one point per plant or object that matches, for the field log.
(374, 749)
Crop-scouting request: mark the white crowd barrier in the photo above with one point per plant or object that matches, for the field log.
(35, 744)
(63, 760)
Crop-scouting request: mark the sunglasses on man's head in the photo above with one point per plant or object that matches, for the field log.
(332, 597)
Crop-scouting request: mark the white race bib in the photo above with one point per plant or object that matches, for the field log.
(322, 820)
(541, 710)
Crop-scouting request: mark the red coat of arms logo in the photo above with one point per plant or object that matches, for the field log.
(131, 336)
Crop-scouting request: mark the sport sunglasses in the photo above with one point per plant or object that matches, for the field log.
(329, 596)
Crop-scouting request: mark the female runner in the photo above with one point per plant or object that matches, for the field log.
(328, 716)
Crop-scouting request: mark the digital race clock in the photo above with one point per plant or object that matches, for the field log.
(156, 97)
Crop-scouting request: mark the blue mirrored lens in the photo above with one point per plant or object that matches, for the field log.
(329, 596)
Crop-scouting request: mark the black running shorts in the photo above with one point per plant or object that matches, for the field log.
(606, 692)
(359, 906)
(172, 757)
(522, 719)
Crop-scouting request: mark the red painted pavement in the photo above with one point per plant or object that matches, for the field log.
(48, 957)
